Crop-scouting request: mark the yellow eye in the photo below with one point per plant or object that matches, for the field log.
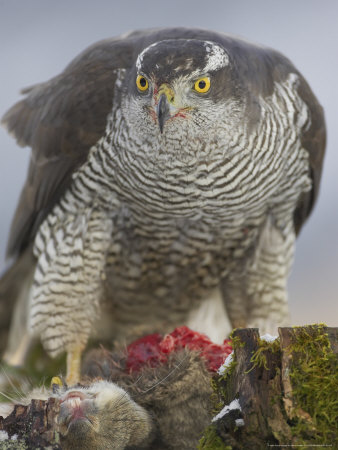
(142, 83)
(202, 85)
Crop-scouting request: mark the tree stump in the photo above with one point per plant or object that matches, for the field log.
(286, 391)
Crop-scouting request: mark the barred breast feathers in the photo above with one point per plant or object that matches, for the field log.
(220, 185)
(239, 173)
(236, 171)
(71, 250)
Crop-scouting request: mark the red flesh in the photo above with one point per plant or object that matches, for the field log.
(154, 349)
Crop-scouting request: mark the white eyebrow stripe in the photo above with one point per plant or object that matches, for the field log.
(141, 55)
(217, 57)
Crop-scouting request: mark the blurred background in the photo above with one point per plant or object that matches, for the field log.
(39, 37)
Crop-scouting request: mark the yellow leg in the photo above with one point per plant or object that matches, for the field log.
(74, 365)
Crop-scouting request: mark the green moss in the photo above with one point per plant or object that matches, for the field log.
(236, 340)
(229, 370)
(219, 385)
(314, 379)
(17, 445)
(258, 359)
(216, 396)
(211, 440)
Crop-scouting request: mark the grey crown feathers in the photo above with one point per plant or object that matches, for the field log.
(171, 171)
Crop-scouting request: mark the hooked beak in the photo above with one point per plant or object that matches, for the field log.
(163, 111)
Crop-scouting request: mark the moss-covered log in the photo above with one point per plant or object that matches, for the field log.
(286, 391)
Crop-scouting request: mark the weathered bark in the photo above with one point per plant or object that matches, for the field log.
(264, 380)
(261, 378)
(258, 389)
(33, 426)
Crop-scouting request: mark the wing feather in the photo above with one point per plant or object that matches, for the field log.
(314, 141)
(60, 120)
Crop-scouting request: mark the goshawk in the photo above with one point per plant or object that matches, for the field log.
(171, 171)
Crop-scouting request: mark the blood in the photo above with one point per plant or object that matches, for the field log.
(144, 351)
(180, 114)
(154, 349)
(153, 114)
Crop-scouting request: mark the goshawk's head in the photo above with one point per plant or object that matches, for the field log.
(183, 87)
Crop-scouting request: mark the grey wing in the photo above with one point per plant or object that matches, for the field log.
(314, 141)
(60, 120)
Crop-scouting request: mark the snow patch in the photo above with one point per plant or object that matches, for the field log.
(239, 422)
(14, 437)
(268, 338)
(6, 409)
(233, 405)
(3, 435)
(224, 367)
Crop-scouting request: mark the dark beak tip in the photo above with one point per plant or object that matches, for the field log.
(162, 112)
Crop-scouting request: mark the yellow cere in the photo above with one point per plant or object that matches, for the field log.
(142, 83)
(168, 91)
(202, 85)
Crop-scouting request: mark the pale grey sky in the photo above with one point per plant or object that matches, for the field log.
(39, 37)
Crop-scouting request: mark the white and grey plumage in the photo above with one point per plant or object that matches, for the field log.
(153, 202)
